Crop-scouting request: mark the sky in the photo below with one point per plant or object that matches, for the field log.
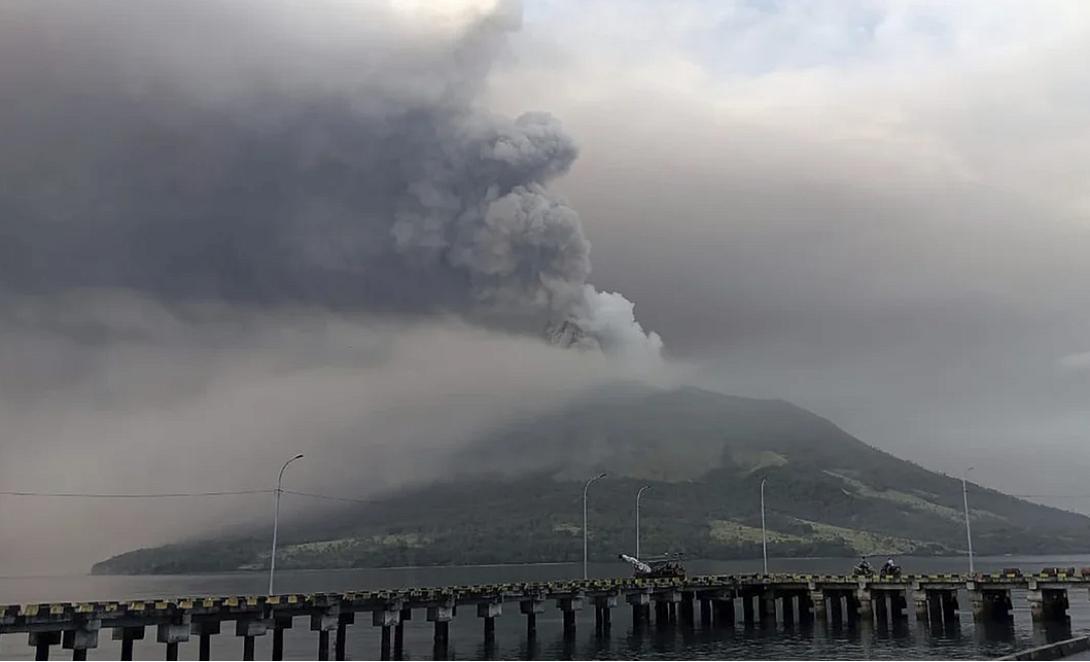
(234, 231)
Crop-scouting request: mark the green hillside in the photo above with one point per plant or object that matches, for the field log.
(515, 496)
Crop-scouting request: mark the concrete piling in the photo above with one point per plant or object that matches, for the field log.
(173, 634)
(279, 625)
(441, 615)
(489, 611)
(248, 629)
(127, 635)
(817, 600)
(531, 608)
(388, 618)
(569, 606)
(323, 623)
(204, 629)
(41, 641)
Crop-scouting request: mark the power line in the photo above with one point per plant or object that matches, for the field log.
(327, 497)
(118, 495)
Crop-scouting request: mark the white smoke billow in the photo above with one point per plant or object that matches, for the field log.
(252, 152)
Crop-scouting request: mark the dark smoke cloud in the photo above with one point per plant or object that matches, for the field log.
(274, 154)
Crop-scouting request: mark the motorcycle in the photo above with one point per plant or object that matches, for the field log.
(862, 569)
(890, 570)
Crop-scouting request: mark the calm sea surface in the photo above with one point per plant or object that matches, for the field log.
(963, 640)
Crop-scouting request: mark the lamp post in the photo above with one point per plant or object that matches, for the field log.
(764, 534)
(638, 495)
(276, 521)
(968, 528)
(585, 488)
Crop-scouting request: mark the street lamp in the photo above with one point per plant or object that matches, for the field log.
(764, 534)
(585, 488)
(968, 529)
(276, 520)
(638, 495)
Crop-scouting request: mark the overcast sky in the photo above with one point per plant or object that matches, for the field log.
(876, 210)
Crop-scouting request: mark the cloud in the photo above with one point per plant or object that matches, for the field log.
(876, 210)
(123, 393)
(335, 156)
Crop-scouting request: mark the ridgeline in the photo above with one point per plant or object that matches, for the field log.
(704, 455)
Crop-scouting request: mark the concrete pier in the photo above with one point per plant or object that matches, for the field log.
(790, 598)
(279, 625)
(569, 606)
(747, 607)
(41, 641)
(488, 611)
(323, 623)
(388, 619)
(173, 634)
(248, 629)
(817, 603)
(440, 615)
(531, 608)
(127, 635)
(1047, 604)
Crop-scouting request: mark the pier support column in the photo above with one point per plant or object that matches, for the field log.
(998, 605)
(723, 611)
(489, 611)
(919, 600)
(836, 607)
(280, 623)
(1048, 605)
(41, 641)
(204, 631)
(441, 615)
(865, 602)
(950, 606)
(880, 604)
(603, 608)
(976, 601)
(126, 636)
(387, 618)
(817, 600)
(934, 606)
(248, 629)
(852, 607)
(666, 607)
(787, 608)
(173, 634)
(323, 623)
(805, 607)
(662, 614)
(639, 602)
(340, 644)
(705, 612)
(767, 602)
(531, 608)
(81, 638)
(747, 608)
(687, 609)
(569, 607)
(406, 614)
(898, 605)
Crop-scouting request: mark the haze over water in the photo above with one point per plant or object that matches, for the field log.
(964, 640)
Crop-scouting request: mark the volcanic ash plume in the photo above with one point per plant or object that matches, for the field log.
(326, 153)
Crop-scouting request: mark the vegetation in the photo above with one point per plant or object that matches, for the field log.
(703, 454)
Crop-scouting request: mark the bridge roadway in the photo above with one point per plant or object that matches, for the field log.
(673, 602)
